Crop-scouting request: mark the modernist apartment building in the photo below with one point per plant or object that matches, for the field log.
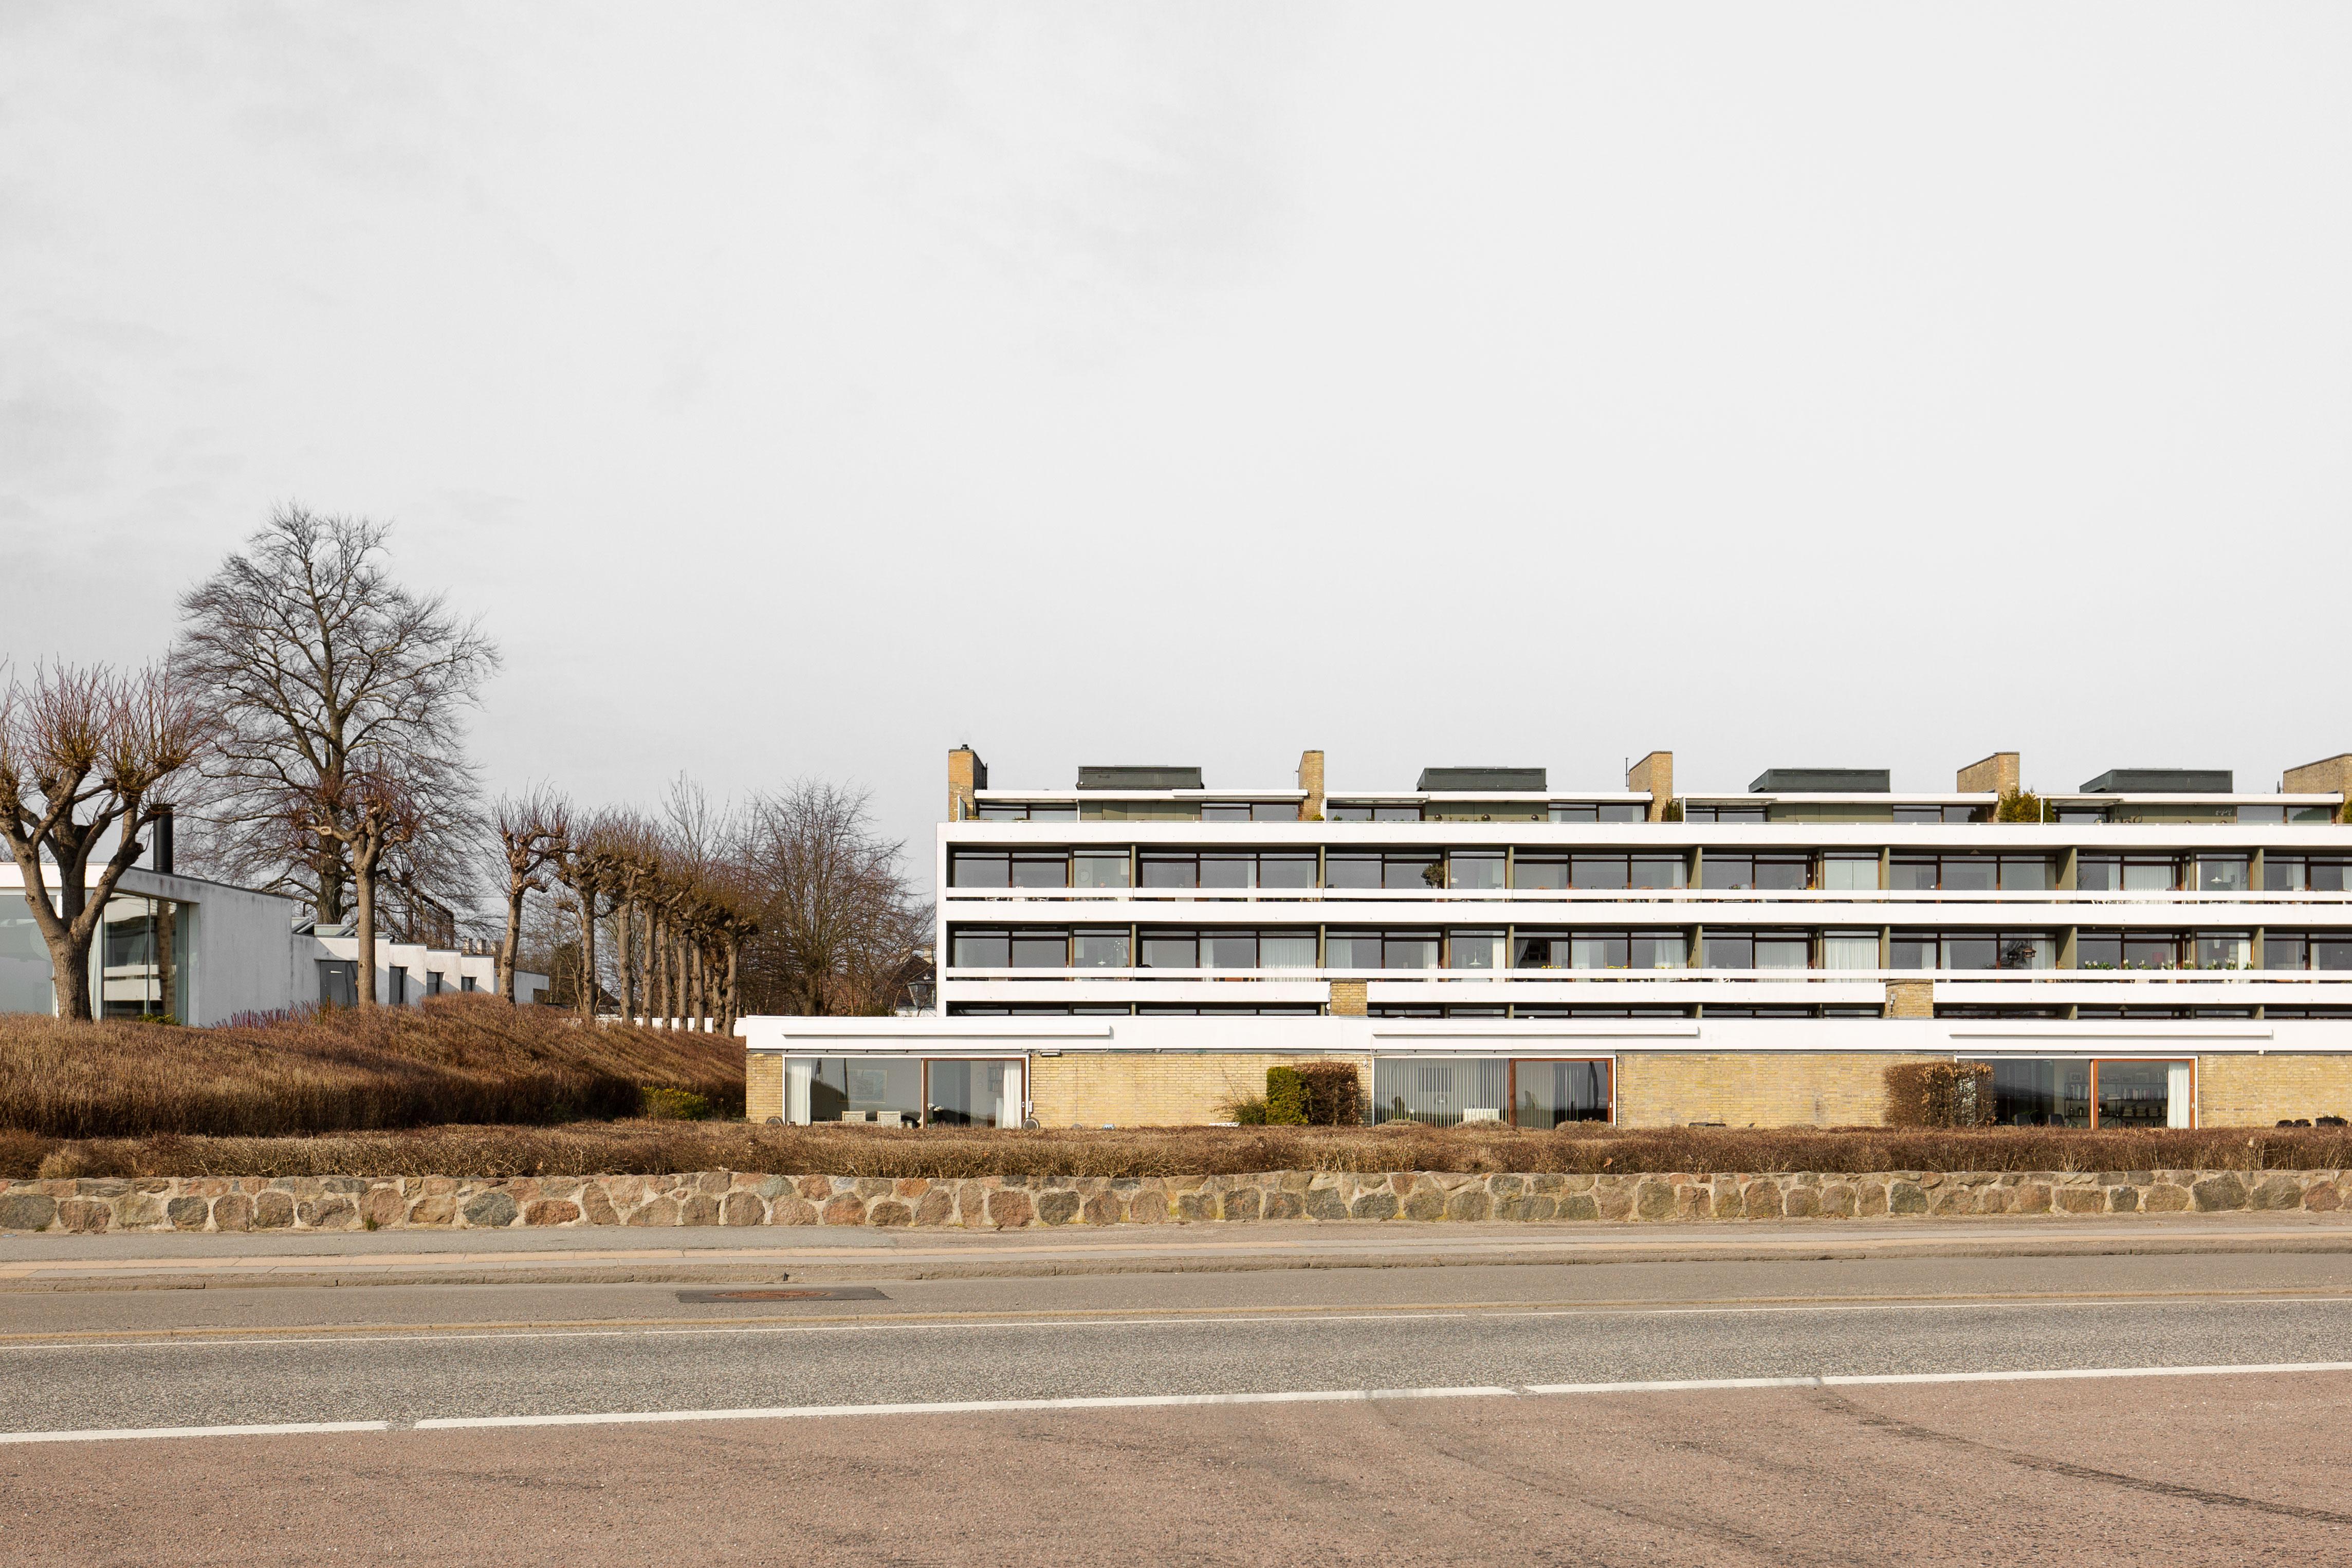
(204, 952)
(2155, 947)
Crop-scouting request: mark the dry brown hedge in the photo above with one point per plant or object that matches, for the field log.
(467, 1058)
(654, 1147)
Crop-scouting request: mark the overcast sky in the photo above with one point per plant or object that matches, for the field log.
(805, 390)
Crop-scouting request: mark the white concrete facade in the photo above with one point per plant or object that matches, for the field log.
(234, 951)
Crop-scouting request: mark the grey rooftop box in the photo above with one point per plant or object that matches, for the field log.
(1140, 778)
(1483, 781)
(2162, 781)
(1823, 782)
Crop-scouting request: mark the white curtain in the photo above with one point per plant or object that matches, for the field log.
(798, 1071)
(2180, 1095)
(1008, 1105)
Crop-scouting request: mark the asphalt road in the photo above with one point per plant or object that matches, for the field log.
(1484, 1463)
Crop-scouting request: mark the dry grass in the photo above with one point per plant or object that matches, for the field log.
(456, 1059)
(624, 1148)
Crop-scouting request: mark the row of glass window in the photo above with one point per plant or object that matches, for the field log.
(1729, 870)
(1608, 811)
(1424, 948)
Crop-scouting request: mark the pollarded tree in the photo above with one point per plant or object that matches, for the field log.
(86, 754)
(377, 808)
(534, 832)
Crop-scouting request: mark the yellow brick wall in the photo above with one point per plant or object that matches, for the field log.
(1774, 1089)
(2261, 1091)
(1155, 1089)
(764, 1086)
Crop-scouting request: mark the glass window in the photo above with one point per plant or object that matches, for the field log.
(1347, 813)
(1656, 871)
(1728, 950)
(1037, 868)
(2042, 1093)
(1542, 952)
(2283, 951)
(1474, 949)
(1221, 869)
(2139, 1093)
(2151, 950)
(1969, 874)
(859, 1087)
(2020, 950)
(1285, 949)
(2323, 875)
(1911, 950)
(1851, 872)
(1396, 813)
(1540, 870)
(1440, 1093)
(1102, 949)
(2026, 874)
(1229, 949)
(1273, 811)
(1602, 872)
(1287, 869)
(2222, 874)
(1352, 950)
(1474, 869)
(1409, 950)
(1550, 1092)
(1041, 949)
(2282, 873)
(2150, 874)
(2225, 950)
(1352, 869)
(2098, 949)
(1224, 813)
(1410, 871)
(1624, 811)
(1912, 874)
(1971, 951)
(2331, 953)
(1099, 868)
(972, 1094)
(980, 868)
(1170, 950)
(1719, 812)
(981, 949)
(1162, 869)
(1849, 949)
(2098, 873)
(2262, 813)
(1783, 950)
(1574, 812)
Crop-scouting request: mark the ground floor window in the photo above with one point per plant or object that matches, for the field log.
(904, 1091)
(2103, 1092)
(1527, 1091)
(24, 960)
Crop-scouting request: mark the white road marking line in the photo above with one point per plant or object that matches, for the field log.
(1297, 1319)
(1175, 1401)
(275, 1429)
(1161, 1401)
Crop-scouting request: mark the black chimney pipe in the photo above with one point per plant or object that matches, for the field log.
(161, 846)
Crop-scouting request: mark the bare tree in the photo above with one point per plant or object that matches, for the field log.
(314, 658)
(533, 831)
(836, 923)
(83, 754)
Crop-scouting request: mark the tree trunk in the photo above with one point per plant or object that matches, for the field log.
(621, 957)
(588, 952)
(511, 944)
(734, 981)
(364, 889)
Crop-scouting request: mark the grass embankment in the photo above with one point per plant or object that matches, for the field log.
(456, 1058)
(658, 1147)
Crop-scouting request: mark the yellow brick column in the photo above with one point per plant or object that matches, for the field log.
(1910, 999)
(1347, 997)
(764, 1086)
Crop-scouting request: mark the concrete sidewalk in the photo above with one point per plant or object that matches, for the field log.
(166, 1260)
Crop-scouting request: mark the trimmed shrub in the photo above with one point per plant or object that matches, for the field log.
(1939, 1094)
(1286, 1097)
(661, 1104)
(1334, 1091)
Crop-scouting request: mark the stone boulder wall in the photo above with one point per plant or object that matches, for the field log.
(1007, 1202)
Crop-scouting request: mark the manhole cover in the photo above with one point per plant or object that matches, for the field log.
(796, 1293)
